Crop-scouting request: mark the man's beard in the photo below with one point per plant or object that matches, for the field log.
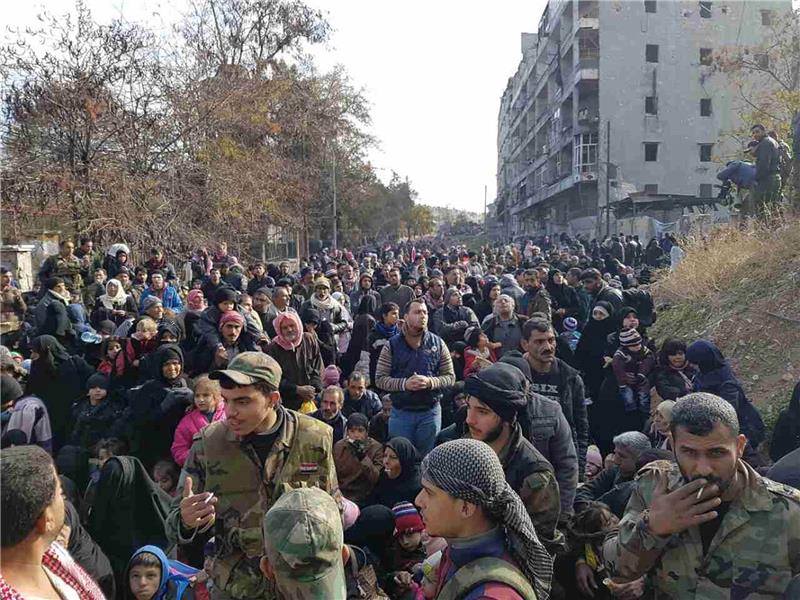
(494, 434)
(722, 485)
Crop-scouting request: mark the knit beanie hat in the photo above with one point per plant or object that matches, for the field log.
(629, 337)
(150, 302)
(98, 380)
(322, 282)
(350, 513)
(224, 294)
(357, 420)
(406, 518)
(10, 389)
(471, 336)
(230, 316)
(330, 376)
(570, 324)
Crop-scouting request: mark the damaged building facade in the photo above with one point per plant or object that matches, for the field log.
(615, 100)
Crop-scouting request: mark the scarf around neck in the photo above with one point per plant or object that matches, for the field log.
(328, 304)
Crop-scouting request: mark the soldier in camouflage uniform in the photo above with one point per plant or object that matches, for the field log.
(727, 534)
(304, 545)
(65, 265)
(238, 468)
(495, 394)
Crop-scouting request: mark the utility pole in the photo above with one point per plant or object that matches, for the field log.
(608, 178)
(485, 231)
(335, 227)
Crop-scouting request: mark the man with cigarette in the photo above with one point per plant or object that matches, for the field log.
(708, 526)
(238, 468)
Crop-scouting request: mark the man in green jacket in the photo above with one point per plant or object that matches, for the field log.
(238, 468)
(708, 527)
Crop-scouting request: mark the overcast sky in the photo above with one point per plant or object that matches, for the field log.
(433, 72)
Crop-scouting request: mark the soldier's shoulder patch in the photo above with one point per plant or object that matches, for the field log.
(663, 466)
(783, 490)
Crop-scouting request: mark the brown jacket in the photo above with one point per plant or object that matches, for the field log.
(357, 477)
(12, 308)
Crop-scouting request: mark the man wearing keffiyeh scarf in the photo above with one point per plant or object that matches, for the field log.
(33, 564)
(465, 498)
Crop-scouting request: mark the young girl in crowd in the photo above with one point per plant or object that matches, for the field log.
(480, 351)
(126, 362)
(208, 407)
(632, 364)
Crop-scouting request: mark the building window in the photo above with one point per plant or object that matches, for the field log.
(651, 151)
(705, 56)
(651, 53)
(705, 10)
(650, 7)
(585, 157)
(705, 107)
(650, 188)
(766, 17)
(706, 190)
(705, 152)
(650, 105)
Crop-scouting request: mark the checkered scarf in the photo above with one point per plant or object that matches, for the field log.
(58, 561)
(470, 470)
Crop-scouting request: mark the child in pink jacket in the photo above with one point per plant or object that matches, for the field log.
(208, 407)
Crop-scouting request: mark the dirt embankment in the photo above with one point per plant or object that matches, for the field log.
(741, 289)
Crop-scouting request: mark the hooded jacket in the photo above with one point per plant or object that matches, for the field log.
(510, 286)
(174, 584)
(407, 485)
(716, 377)
(786, 436)
(190, 424)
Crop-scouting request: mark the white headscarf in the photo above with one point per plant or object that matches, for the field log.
(118, 299)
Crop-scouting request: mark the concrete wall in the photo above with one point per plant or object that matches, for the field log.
(677, 80)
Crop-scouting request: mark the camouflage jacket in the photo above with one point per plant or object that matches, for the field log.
(69, 269)
(221, 463)
(754, 554)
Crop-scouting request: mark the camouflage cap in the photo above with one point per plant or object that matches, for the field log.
(248, 368)
(303, 539)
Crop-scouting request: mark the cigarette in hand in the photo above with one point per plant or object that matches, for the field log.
(209, 499)
(700, 492)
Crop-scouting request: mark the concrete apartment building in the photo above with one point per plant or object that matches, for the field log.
(640, 70)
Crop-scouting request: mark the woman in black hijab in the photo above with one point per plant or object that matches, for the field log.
(362, 325)
(786, 436)
(399, 480)
(59, 379)
(158, 406)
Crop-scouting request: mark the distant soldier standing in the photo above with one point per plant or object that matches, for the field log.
(708, 526)
(238, 468)
(767, 188)
(65, 265)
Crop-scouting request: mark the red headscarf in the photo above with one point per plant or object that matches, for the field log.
(279, 339)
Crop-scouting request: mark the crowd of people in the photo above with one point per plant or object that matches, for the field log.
(403, 421)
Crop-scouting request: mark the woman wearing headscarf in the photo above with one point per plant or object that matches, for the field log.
(357, 356)
(115, 305)
(493, 550)
(399, 480)
(716, 377)
(786, 436)
(298, 354)
(58, 379)
(591, 347)
(157, 407)
(674, 375)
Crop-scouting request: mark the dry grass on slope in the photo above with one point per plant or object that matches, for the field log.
(741, 289)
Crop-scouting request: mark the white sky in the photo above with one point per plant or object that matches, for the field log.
(433, 72)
